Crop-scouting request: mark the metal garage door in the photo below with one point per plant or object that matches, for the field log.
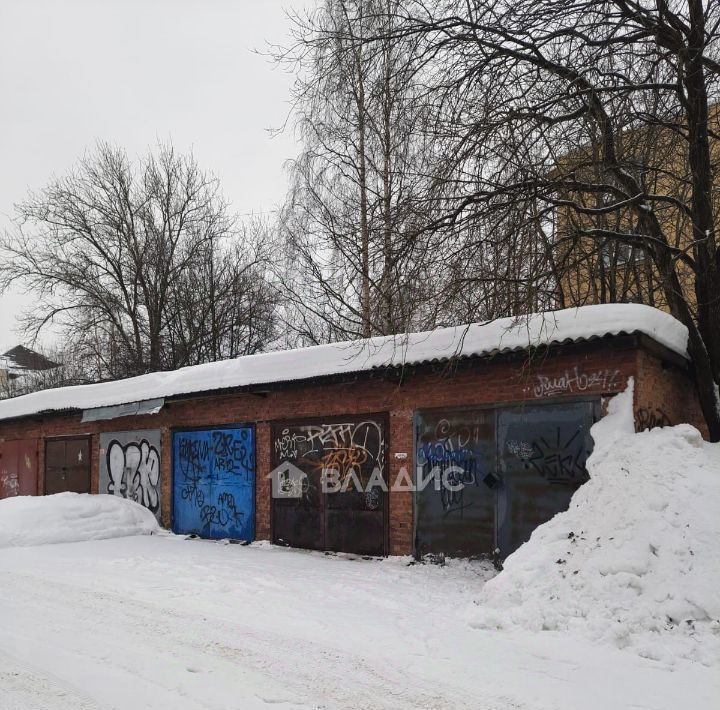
(67, 465)
(18, 468)
(542, 452)
(352, 519)
(510, 470)
(457, 447)
(214, 482)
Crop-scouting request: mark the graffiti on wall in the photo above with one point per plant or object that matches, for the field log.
(576, 381)
(130, 467)
(214, 473)
(649, 418)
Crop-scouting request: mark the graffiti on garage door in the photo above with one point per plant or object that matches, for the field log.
(18, 467)
(214, 482)
(351, 519)
(512, 469)
(130, 466)
(542, 452)
(457, 448)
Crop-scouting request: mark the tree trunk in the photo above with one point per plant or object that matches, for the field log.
(364, 224)
(387, 198)
(702, 362)
(707, 284)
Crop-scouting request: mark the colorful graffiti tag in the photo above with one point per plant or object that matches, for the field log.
(351, 518)
(214, 483)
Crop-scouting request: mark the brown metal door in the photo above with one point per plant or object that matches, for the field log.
(351, 519)
(9, 475)
(18, 468)
(27, 463)
(67, 465)
(355, 515)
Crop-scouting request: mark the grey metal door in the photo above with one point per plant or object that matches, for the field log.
(130, 466)
(455, 467)
(541, 455)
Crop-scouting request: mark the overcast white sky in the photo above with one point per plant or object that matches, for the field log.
(133, 72)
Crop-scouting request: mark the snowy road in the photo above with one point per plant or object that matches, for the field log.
(162, 622)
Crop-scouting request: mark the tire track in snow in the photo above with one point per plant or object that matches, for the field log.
(304, 673)
(27, 688)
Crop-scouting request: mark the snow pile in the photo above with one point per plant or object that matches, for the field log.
(70, 517)
(635, 561)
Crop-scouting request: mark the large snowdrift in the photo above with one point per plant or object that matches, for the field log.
(635, 561)
(70, 517)
(477, 339)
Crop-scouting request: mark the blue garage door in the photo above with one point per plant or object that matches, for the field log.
(214, 483)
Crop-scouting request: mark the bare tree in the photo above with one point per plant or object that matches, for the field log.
(565, 109)
(140, 264)
(349, 220)
(225, 305)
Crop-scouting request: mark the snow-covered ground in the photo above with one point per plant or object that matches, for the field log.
(612, 605)
(162, 622)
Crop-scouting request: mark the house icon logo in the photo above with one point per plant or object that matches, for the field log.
(288, 481)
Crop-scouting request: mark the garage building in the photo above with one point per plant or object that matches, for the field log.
(494, 419)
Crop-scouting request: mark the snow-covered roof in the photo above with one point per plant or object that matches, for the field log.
(477, 339)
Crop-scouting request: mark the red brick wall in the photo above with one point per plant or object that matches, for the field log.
(665, 394)
(479, 383)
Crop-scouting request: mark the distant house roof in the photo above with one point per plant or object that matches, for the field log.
(22, 358)
(475, 340)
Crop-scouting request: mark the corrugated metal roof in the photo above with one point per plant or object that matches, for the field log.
(478, 339)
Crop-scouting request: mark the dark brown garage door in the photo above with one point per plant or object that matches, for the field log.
(67, 465)
(352, 519)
